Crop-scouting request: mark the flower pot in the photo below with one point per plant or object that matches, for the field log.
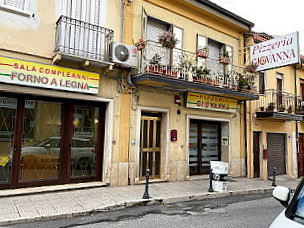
(202, 53)
(271, 108)
(141, 46)
(224, 60)
(250, 69)
(289, 111)
(171, 73)
(154, 70)
(262, 109)
(282, 110)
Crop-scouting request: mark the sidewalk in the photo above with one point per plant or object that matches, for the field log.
(33, 204)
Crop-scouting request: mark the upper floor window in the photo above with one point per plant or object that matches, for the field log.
(91, 11)
(21, 6)
(262, 82)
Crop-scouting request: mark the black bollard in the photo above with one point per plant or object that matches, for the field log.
(146, 194)
(210, 181)
(274, 176)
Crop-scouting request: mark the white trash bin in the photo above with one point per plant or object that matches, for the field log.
(220, 176)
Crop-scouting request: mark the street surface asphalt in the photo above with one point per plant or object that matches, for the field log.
(257, 210)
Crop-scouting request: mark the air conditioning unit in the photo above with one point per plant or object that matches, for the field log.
(124, 54)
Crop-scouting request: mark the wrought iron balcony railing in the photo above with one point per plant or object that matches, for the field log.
(185, 65)
(277, 101)
(81, 39)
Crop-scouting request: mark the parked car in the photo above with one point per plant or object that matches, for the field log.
(293, 215)
(46, 153)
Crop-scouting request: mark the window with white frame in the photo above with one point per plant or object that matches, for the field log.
(15, 5)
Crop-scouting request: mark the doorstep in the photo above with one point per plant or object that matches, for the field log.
(51, 188)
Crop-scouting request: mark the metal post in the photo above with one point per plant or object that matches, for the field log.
(146, 194)
(210, 181)
(274, 176)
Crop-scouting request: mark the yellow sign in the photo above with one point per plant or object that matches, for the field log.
(21, 72)
(209, 102)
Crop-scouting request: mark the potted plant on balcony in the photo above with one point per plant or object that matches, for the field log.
(167, 40)
(251, 68)
(242, 82)
(224, 58)
(140, 44)
(281, 108)
(298, 110)
(202, 52)
(262, 108)
(154, 65)
(201, 74)
(270, 107)
(289, 110)
(185, 66)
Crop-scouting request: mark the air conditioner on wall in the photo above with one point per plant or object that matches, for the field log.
(124, 54)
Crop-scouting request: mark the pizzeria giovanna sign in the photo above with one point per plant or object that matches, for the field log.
(274, 53)
(15, 71)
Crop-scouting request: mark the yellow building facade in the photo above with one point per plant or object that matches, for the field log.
(79, 103)
(275, 133)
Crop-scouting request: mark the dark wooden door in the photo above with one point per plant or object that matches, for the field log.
(256, 154)
(301, 156)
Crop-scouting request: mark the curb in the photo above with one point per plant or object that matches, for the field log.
(141, 202)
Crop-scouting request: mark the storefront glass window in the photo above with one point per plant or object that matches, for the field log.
(84, 141)
(7, 121)
(41, 140)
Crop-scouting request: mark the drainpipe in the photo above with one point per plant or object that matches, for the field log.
(297, 127)
(122, 22)
(245, 118)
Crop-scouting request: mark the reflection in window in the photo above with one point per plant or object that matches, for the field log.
(7, 123)
(84, 141)
(41, 140)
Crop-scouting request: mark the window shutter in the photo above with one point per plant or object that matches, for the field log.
(144, 21)
(155, 28)
(18, 4)
(212, 62)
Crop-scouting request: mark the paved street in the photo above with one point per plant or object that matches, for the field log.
(51, 202)
(238, 211)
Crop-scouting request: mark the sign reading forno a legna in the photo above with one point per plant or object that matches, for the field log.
(15, 71)
(209, 102)
(274, 53)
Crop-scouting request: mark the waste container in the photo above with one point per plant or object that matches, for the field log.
(220, 176)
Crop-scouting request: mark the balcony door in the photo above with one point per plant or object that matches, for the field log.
(279, 89)
(49, 142)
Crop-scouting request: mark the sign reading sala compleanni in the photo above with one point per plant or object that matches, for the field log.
(274, 53)
(15, 71)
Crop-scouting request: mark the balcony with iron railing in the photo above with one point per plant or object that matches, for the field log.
(81, 41)
(276, 104)
(182, 69)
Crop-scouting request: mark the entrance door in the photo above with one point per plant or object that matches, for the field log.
(46, 142)
(150, 146)
(256, 154)
(8, 109)
(276, 153)
(204, 146)
(301, 156)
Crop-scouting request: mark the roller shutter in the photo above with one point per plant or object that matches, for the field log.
(276, 153)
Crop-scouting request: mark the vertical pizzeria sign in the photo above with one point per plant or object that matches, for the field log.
(274, 53)
(34, 74)
(209, 102)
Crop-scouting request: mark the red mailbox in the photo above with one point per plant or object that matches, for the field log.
(264, 153)
(174, 135)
